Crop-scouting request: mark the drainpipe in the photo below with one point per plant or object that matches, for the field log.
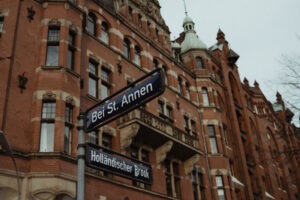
(11, 58)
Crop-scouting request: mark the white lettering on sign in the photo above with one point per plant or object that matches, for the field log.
(111, 107)
(136, 94)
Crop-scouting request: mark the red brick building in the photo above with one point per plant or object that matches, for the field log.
(208, 136)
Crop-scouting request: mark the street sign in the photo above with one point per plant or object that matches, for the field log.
(135, 94)
(119, 164)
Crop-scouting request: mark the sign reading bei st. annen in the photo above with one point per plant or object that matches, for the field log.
(125, 100)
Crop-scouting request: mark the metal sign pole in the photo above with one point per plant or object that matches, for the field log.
(81, 158)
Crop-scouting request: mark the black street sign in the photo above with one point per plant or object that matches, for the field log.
(115, 163)
(125, 100)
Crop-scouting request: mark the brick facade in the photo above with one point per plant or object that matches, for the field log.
(208, 136)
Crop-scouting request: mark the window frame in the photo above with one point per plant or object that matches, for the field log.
(68, 128)
(105, 82)
(172, 177)
(126, 48)
(47, 129)
(104, 37)
(92, 24)
(212, 139)
(93, 76)
(53, 43)
(71, 50)
(220, 187)
(205, 97)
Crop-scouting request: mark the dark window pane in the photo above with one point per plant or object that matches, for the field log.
(91, 25)
(70, 64)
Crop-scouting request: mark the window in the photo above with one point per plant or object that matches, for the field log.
(169, 112)
(198, 186)
(71, 51)
(93, 137)
(52, 46)
(1, 24)
(220, 188)
(107, 141)
(68, 129)
(93, 79)
(212, 139)
(161, 107)
(104, 33)
(186, 124)
(205, 97)
(199, 63)
(105, 83)
(47, 127)
(172, 179)
(137, 55)
(193, 127)
(180, 86)
(188, 92)
(140, 154)
(126, 48)
(91, 27)
(155, 64)
(165, 111)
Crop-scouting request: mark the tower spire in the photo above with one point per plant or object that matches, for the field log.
(185, 10)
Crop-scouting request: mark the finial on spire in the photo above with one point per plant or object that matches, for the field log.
(185, 10)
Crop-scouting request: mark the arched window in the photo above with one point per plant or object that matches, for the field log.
(199, 63)
(91, 26)
(137, 55)
(205, 97)
(126, 48)
(104, 32)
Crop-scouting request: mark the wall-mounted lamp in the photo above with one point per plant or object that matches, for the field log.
(22, 81)
(30, 13)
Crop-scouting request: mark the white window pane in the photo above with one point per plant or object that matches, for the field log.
(219, 181)
(93, 87)
(104, 91)
(213, 145)
(52, 55)
(47, 137)
(221, 194)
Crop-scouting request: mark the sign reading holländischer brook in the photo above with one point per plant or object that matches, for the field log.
(119, 164)
(125, 100)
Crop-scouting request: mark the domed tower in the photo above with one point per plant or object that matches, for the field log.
(191, 40)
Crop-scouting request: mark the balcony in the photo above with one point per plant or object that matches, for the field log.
(148, 129)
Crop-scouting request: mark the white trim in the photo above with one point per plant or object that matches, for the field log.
(269, 195)
(235, 180)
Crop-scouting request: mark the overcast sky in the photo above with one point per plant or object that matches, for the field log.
(260, 31)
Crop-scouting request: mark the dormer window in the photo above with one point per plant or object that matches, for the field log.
(199, 63)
